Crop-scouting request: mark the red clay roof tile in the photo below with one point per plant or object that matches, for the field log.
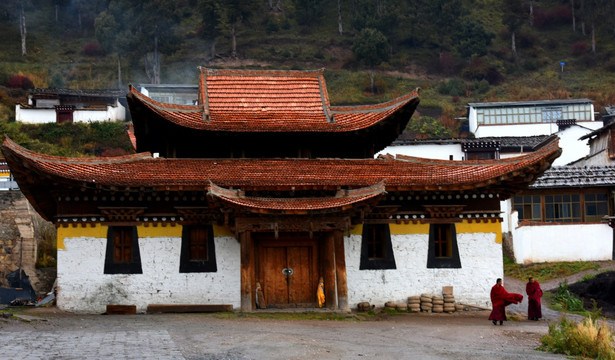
(269, 101)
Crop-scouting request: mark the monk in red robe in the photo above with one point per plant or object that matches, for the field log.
(534, 293)
(500, 298)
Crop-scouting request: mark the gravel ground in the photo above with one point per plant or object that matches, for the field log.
(52, 334)
(463, 335)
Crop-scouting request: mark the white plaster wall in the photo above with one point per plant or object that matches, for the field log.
(112, 113)
(481, 265)
(34, 116)
(42, 116)
(572, 148)
(527, 129)
(570, 242)
(430, 151)
(84, 288)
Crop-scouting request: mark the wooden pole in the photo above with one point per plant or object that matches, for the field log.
(329, 271)
(247, 270)
(340, 271)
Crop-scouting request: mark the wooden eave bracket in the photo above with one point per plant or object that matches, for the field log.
(121, 213)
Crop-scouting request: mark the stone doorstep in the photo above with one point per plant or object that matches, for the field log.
(28, 318)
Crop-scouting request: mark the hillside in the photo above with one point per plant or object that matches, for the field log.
(457, 51)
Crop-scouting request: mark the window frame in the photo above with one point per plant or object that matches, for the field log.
(443, 262)
(119, 266)
(187, 265)
(370, 233)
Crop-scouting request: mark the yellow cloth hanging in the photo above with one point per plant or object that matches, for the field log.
(320, 293)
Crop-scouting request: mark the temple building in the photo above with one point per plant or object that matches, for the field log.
(262, 189)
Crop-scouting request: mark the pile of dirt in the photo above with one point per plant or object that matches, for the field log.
(600, 288)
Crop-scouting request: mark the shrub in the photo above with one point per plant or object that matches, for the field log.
(544, 18)
(454, 87)
(589, 339)
(579, 48)
(20, 82)
(479, 70)
(566, 299)
(45, 233)
(447, 64)
(92, 49)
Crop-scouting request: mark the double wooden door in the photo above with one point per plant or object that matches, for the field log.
(287, 269)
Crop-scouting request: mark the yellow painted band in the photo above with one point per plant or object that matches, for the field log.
(100, 231)
(462, 227)
(96, 231)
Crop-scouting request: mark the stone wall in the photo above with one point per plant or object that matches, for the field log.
(480, 252)
(83, 287)
(18, 245)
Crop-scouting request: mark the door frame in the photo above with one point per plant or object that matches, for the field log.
(288, 240)
(332, 262)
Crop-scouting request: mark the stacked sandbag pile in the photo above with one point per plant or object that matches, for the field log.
(449, 303)
(449, 300)
(426, 302)
(438, 304)
(391, 305)
(414, 303)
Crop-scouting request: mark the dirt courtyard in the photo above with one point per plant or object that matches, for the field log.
(463, 335)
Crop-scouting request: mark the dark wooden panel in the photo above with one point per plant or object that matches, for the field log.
(188, 308)
(301, 287)
(275, 285)
(121, 309)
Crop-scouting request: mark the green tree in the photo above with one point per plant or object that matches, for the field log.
(371, 48)
(144, 29)
(233, 13)
(381, 15)
(211, 22)
(513, 16)
(309, 12)
(472, 39)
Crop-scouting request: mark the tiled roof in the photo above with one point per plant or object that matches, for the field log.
(573, 176)
(117, 93)
(507, 143)
(267, 101)
(403, 173)
(343, 200)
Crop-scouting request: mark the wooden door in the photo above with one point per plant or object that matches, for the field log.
(287, 271)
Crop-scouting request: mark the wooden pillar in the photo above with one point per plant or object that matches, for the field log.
(340, 270)
(247, 270)
(328, 263)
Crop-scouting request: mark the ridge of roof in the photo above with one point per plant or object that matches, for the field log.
(261, 72)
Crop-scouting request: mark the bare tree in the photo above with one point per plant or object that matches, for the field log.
(22, 29)
(574, 20)
(340, 29)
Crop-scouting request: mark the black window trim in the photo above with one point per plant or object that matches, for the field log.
(132, 267)
(209, 265)
(388, 262)
(434, 262)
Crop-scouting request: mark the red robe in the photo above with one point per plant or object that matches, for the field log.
(534, 293)
(500, 298)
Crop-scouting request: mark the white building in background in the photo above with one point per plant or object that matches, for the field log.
(69, 105)
(561, 216)
(526, 118)
(180, 94)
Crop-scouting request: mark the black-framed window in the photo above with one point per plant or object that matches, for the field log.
(563, 208)
(528, 207)
(122, 255)
(443, 251)
(198, 252)
(376, 248)
(596, 206)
